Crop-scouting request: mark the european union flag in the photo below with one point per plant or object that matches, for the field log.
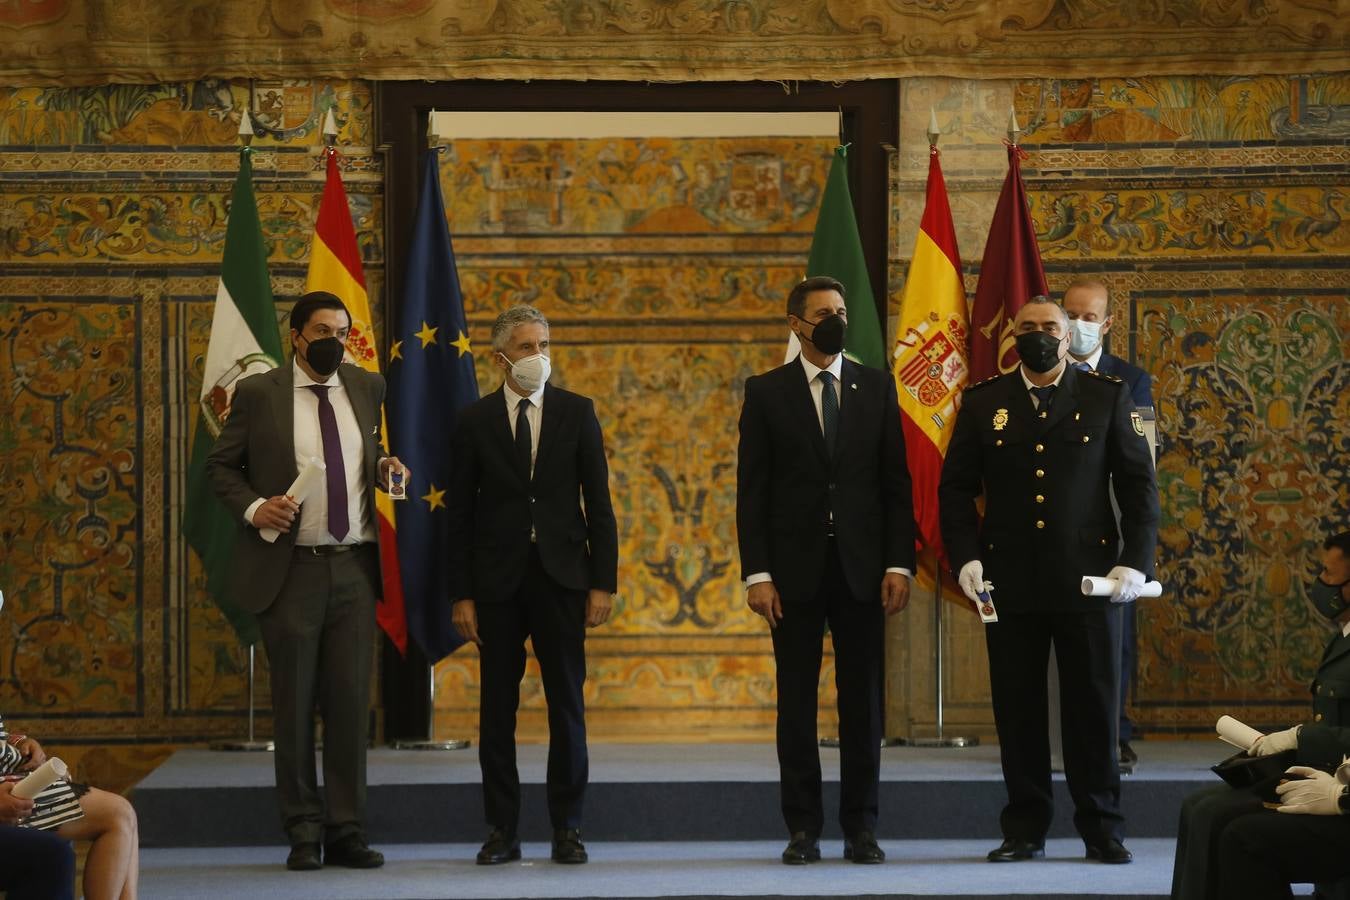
(431, 378)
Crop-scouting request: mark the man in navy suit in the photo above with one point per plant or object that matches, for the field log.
(1087, 302)
(534, 553)
(825, 521)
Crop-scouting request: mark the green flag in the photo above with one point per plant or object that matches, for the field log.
(836, 250)
(244, 340)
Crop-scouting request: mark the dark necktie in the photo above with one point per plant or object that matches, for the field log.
(523, 436)
(829, 409)
(338, 525)
(1082, 367)
(1043, 397)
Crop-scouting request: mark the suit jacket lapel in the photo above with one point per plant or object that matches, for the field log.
(549, 424)
(283, 413)
(1339, 646)
(501, 428)
(799, 400)
(366, 420)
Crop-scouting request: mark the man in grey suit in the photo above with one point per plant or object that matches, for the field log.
(314, 588)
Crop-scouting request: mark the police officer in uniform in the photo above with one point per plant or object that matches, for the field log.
(1041, 444)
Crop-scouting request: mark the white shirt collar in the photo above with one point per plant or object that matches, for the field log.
(1345, 630)
(302, 378)
(812, 370)
(1094, 360)
(1021, 370)
(513, 399)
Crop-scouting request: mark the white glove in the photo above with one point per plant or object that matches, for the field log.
(1129, 582)
(971, 579)
(1316, 794)
(1275, 742)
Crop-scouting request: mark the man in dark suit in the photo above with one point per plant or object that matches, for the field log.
(314, 587)
(1042, 444)
(1228, 843)
(1087, 302)
(825, 517)
(534, 553)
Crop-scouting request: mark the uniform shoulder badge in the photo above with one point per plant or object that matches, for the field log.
(1103, 376)
(1137, 421)
(980, 384)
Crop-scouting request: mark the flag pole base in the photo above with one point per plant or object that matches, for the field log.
(943, 741)
(244, 746)
(833, 741)
(431, 745)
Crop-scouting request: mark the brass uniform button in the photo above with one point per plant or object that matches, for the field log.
(1040, 498)
(1040, 473)
(1085, 438)
(1317, 718)
(1040, 448)
(998, 443)
(1040, 523)
(1103, 542)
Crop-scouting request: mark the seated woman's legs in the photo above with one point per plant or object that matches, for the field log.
(109, 823)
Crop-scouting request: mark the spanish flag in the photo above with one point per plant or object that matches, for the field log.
(929, 361)
(335, 266)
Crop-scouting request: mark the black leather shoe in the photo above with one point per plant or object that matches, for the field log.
(802, 848)
(862, 848)
(304, 858)
(351, 852)
(1112, 852)
(500, 847)
(567, 847)
(1127, 758)
(1016, 851)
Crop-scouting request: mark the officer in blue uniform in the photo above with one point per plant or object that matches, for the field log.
(1041, 445)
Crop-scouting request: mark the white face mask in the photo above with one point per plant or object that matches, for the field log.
(531, 372)
(1084, 336)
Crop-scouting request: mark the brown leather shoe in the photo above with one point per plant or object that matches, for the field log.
(304, 858)
(351, 852)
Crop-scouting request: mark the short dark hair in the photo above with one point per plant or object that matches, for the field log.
(1339, 542)
(796, 302)
(306, 305)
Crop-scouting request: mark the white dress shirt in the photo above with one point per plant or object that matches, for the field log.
(313, 525)
(817, 387)
(534, 414)
(1027, 381)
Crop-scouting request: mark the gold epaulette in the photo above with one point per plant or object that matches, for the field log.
(980, 384)
(1103, 376)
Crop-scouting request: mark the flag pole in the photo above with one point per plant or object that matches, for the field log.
(941, 739)
(251, 745)
(434, 143)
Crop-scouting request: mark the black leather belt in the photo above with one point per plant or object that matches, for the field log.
(326, 549)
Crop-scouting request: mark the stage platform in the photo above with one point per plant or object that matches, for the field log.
(662, 820)
(643, 792)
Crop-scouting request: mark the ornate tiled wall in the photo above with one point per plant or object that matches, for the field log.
(1213, 208)
(112, 217)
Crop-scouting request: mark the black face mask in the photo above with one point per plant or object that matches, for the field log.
(324, 355)
(828, 335)
(1039, 351)
(1327, 598)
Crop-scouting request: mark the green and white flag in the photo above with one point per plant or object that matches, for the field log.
(244, 341)
(836, 250)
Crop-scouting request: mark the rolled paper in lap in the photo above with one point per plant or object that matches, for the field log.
(1104, 587)
(1233, 732)
(309, 480)
(40, 778)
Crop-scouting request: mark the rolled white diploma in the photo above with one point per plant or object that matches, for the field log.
(1104, 587)
(1231, 731)
(38, 780)
(310, 477)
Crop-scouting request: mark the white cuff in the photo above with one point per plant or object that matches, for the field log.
(758, 578)
(252, 508)
(901, 570)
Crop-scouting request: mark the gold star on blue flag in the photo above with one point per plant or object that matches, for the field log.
(427, 389)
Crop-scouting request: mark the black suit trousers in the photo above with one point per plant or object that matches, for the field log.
(1260, 855)
(35, 865)
(1019, 654)
(554, 619)
(857, 629)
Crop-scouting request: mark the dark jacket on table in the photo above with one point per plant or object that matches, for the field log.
(1048, 519)
(493, 506)
(787, 485)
